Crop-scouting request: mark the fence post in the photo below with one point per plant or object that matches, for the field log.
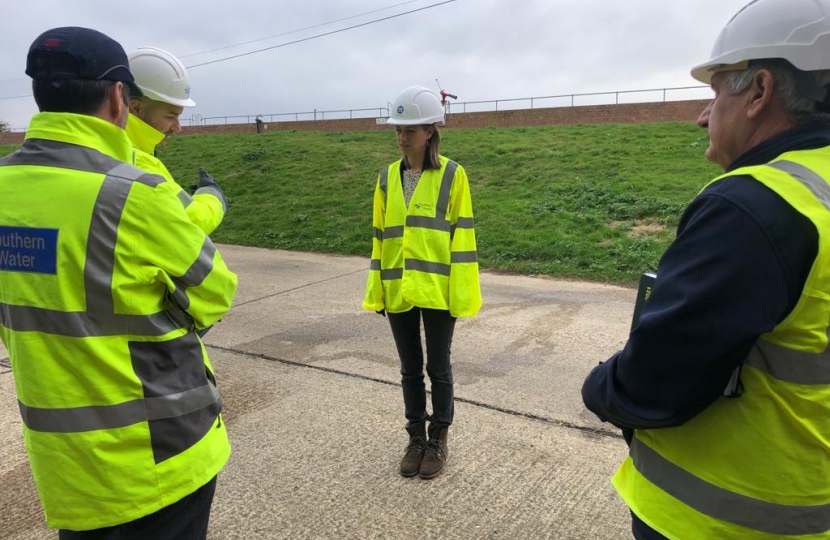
(531, 103)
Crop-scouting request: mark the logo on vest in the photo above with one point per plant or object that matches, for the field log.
(424, 206)
(28, 249)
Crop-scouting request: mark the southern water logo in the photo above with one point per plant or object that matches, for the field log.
(28, 249)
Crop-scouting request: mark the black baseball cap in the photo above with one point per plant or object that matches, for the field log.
(72, 52)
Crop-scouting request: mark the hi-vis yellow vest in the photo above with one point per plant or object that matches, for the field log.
(103, 279)
(206, 208)
(424, 256)
(756, 467)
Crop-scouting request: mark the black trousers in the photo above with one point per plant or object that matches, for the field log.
(186, 519)
(641, 531)
(438, 330)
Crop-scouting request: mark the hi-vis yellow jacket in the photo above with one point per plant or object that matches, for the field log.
(424, 256)
(756, 467)
(103, 281)
(206, 208)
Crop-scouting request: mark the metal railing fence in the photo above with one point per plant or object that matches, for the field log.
(562, 100)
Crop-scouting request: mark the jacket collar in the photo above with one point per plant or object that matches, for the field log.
(807, 137)
(82, 130)
(143, 136)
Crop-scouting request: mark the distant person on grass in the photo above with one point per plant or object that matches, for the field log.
(424, 265)
(154, 116)
(723, 389)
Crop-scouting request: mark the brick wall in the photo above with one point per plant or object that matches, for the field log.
(671, 111)
(11, 138)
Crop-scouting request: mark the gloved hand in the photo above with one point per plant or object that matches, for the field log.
(207, 181)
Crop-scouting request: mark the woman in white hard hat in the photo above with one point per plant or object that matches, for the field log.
(424, 266)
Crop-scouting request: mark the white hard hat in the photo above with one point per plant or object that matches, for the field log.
(794, 30)
(161, 76)
(416, 106)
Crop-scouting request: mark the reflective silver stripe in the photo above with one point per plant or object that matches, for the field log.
(45, 153)
(181, 299)
(201, 267)
(394, 273)
(174, 405)
(125, 171)
(102, 237)
(725, 505)
(374, 264)
(438, 224)
(96, 417)
(462, 223)
(195, 275)
(378, 234)
(393, 232)
(790, 366)
(446, 187)
(185, 198)
(383, 182)
(427, 266)
(464, 257)
(82, 324)
(812, 181)
(211, 190)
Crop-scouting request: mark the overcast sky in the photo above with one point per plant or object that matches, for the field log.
(478, 49)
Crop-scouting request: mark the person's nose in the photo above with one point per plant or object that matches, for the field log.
(703, 119)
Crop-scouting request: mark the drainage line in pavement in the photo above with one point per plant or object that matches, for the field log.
(529, 416)
(297, 288)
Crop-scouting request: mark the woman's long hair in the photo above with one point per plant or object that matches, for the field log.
(431, 155)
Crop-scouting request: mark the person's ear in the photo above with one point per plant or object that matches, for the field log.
(761, 93)
(117, 108)
(136, 106)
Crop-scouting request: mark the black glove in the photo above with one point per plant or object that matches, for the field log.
(381, 312)
(206, 180)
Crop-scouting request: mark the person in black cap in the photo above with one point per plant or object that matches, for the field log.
(104, 285)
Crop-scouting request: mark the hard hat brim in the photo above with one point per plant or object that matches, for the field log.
(167, 99)
(392, 121)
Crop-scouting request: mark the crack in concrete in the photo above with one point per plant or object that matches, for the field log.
(297, 288)
(530, 416)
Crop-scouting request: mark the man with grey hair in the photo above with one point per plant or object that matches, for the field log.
(723, 388)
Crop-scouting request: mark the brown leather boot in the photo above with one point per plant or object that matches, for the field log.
(414, 453)
(435, 455)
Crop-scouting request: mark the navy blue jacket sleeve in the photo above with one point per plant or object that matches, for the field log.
(736, 269)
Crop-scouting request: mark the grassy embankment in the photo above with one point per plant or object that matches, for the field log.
(596, 202)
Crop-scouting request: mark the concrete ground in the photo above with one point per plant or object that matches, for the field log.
(315, 414)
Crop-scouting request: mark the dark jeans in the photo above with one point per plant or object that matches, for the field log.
(641, 531)
(186, 519)
(438, 329)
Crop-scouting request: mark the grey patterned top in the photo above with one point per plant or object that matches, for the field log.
(410, 182)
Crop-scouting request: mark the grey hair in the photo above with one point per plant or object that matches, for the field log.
(800, 110)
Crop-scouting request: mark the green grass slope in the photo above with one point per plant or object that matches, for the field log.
(596, 202)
